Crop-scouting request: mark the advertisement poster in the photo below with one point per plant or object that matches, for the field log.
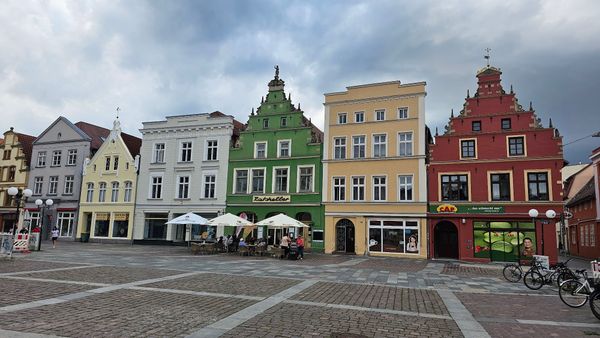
(504, 241)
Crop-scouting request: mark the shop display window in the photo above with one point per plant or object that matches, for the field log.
(394, 236)
(504, 241)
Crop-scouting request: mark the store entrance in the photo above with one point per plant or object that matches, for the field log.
(445, 240)
(344, 236)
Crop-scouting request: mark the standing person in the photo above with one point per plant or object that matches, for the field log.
(54, 236)
(300, 242)
(285, 244)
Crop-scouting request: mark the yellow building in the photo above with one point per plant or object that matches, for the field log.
(374, 182)
(107, 201)
(15, 155)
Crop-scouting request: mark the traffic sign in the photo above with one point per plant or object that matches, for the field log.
(568, 215)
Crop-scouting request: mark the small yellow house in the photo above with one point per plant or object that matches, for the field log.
(107, 201)
(374, 181)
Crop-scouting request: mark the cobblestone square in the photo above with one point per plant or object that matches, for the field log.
(16, 291)
(104, 274)
(19, 265)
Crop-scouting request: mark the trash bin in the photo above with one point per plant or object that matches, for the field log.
(85, 237)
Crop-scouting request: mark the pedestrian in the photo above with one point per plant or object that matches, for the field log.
(54, 236)
(285, 245)
(300, 242)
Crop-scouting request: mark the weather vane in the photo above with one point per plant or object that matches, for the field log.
(118, 109)
(276, 71)
(487, 55)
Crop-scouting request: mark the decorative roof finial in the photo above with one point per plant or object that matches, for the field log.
(468, 94)
(511, 90)
(290, 96)
(252, 114)
(550, 124)
(298, 105)
(276, 72)
(262, 99)
(436, 131)
(487, 55)
(118, 109)
(452, 112)
(530, 106)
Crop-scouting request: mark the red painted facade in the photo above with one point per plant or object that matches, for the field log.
(510, 164)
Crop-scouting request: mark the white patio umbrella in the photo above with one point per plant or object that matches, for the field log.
(189, 218)
(281, 221)
(230, 220)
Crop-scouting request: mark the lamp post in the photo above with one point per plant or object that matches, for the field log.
(19, 196)
(533, 213)
(42, 206)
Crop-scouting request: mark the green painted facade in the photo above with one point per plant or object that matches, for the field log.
(275, 166)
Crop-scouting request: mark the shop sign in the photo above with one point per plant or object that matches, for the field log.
(102, 216)
(271, 199)
(121, 216)
(465, 209)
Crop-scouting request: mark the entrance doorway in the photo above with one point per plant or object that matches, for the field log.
(344, 236)
(445, 240)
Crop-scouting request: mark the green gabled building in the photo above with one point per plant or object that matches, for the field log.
(275, 167)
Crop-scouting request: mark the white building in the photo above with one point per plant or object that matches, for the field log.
(183, 169)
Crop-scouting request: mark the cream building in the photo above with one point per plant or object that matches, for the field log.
(374, 181)
(107, 201)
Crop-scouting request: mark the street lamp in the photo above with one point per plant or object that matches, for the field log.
(42, 206)
(533, 213)
(19, 196)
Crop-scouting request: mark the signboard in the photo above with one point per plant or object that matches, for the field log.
(271, 199)
(544, 261)
(448, 208)
(121, 216)
(102, 216)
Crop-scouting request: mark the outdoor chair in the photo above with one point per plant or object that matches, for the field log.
(261, 250)
(243, 251)
(209, 249)
(196, 248)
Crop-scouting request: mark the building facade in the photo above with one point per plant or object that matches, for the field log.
(57, 161)
(374, 187)
(494, 163)
(275, 167)
(109, 183)
(183, 169)
(15, 154)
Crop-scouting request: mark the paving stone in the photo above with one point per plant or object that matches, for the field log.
(19, 265)
(470, 271)
(22, 291)
(104, 274)
(509, 330)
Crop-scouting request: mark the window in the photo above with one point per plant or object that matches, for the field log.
(405, 188)
(258, 181)
(114, 196)
(380, 145)
(265, 123)
(69, 181)
(283, 122)
(339, 188)
(476, 126)
(358, 146)
(156, 187)
(538, 186)
(72, 157)
(107, 163)
(505, 124)
(102, 224)
(455, 188)
(41, 159)
(56, 155)
(186, 152)
(210, 184)
(120, 224)
(359, 117)
(34, 218)
(116, 163)
(342, 118)
(38, 184)
(128, 191)
(358, 188)
(405, 144)
(379, 188)
(592, 234)
(394, 235)
(159, 153)
(467, 149)
(241, 181)
(281, 180)
(183, 187)
(284, 148)
(306, 179)
(102, 192)
(6, 155)
(339, 148)
(65, 222)
(516, 146)
(90, 193)
(403, 112)
(53, 186)
(380, 115)
(211, 150)
(12, 171)
(500, 187)
(260, 150)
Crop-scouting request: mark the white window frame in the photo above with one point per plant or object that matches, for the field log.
(41, 159)
(69, 216)
(403, 113)
(274, 180)
(56, 154)
(335, 185)
(156, 152)
(375, 186)
(312, 180)
(342, 118)
(361, 114)
(281, 121)
(53, 184)
(114, 193)
(361, 186)
(72, 157)
(213, 184)
(102, 192)
(364, 146)
(374, 143)
(256, 148)
(209, 148)
(38, 185)
(151, 183)
(412, 143)
(89, 197)
(69, 185)
(251, 180)
(181, 158)
(335, 146)
(279, 142)
(179, 186)
(235, 179)
(115, 164)
(412, 187)
(377, 111)
(128, 192)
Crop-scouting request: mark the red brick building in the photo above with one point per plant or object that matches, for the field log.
(585, 208)
(494, 163)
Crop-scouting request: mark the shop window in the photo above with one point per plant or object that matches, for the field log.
(102, 224)
(537, 184)
(500, 186)
(65, 222)
(394, 236)
(154, 226)
(504, 241)
(455, 188)
(120, 225)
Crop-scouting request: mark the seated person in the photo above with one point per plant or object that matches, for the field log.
(242, 242)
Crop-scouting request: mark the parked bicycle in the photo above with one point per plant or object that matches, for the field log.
(576, 292)
(538, 275)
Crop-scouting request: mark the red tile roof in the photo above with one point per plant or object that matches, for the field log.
(26, 144)
(99, 134)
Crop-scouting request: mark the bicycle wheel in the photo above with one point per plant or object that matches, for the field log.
(512, 273)
(595, 303)
(573, 293)
(533, 280)
(564, 276)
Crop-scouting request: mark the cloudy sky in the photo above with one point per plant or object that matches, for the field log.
(82, 59)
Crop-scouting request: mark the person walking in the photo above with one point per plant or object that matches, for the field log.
(285, 244)
(300, 243)
(54, 236)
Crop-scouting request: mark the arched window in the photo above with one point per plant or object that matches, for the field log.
(102, 192)
(128, 191)
(90, 192)
(114, 197)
